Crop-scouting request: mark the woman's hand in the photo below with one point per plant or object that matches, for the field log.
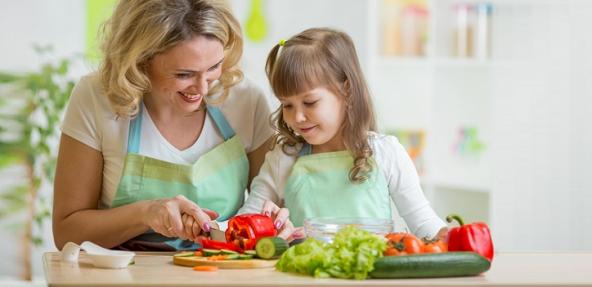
(281, 220)
(178, 217)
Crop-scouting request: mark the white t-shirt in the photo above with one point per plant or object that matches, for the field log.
(392, 160)
(91, 120)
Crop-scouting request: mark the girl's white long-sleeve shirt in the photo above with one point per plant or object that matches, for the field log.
(392, 160)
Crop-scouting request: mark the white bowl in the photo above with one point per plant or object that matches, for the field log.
(112, 261)
(324, 228)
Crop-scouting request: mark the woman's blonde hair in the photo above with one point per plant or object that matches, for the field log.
(140, 29)
(324, 57)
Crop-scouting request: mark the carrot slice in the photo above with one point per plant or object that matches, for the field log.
(205, 268)
(217, 257)
(198, 253)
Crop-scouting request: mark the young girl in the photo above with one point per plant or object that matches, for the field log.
(328, 160)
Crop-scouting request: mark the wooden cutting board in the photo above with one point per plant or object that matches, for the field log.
(224, 264)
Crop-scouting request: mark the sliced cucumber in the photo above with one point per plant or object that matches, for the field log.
(185, 254)
(210, 252)
(246, 256)
(251, 252)
(228, 251)
(232, 256)
(270, 247)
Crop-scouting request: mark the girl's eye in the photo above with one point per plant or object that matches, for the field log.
(286, 106)
(310, 104)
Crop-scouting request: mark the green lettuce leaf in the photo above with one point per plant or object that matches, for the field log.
(351, 255)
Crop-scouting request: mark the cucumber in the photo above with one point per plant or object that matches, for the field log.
(185, 254)
(245, 256)
(447, 264)
(228, 251)
(251, 252)
(210, 252)
(232, 256)
(270, 247)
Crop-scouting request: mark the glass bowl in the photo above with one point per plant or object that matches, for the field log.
(324, 228)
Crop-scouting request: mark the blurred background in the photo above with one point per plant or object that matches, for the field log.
(490, 98)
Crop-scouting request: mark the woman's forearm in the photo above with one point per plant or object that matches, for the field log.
(106, 227)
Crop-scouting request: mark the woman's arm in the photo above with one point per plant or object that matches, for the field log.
(77, 190)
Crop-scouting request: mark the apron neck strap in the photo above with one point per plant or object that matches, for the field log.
(133, 139)
(305, 150)
(221, 122)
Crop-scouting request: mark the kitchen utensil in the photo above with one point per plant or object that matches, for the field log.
(256, 27)
(99, 256)
(217, 234)
(224, 264)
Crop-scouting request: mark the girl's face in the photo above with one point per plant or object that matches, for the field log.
(181, 76)
(316, 115)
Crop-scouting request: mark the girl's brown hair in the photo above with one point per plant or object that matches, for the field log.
(324, 57)
(140, 29)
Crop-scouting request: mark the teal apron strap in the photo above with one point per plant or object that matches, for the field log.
(221, 122)
(133, 138)
(305, 150)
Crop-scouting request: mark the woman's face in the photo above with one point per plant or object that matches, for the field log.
(316, 115)
(182, 75)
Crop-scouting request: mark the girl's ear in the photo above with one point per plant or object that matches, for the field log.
(346, 87)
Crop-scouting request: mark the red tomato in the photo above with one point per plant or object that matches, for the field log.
(391, 251)
(405, 242)
(437, 246)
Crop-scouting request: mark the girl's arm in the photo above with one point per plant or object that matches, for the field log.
(265, 185)
(405, 191)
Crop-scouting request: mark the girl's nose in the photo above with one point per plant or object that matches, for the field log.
(299, 116)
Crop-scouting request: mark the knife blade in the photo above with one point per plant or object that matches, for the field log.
(216, 233)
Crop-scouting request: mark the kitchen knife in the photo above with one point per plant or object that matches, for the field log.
(216, 233)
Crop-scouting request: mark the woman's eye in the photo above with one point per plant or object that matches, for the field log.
(183, 76)
(215, 67)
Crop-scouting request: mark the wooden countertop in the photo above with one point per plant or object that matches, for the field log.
(508, 269)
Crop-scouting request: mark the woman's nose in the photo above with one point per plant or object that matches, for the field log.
(201, 85)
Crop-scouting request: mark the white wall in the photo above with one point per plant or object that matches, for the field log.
(542, 112)
(61, 24)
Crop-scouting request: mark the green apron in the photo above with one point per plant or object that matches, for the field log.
(319, 186)
(216, 181)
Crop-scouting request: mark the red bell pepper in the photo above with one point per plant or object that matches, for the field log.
(244, 230)
(473, 237)
(214, 244)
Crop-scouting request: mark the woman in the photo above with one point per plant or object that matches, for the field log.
(166, 136)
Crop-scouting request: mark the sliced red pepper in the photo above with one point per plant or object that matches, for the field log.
(214, 244)
(244, 230)
(473, 237)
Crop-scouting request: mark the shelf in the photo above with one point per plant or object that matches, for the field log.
(449, 184)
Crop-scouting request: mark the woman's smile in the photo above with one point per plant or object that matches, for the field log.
(190, 98)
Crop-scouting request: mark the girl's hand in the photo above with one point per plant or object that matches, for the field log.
(442, 234)
(165, 217)
(281, 220)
